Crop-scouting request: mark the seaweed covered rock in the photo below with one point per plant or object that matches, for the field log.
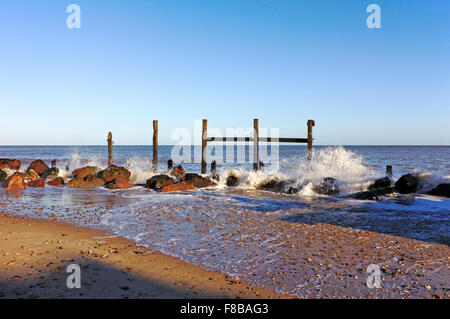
(3, 176)
(159, 181)
(198, 181)
(58, 182)
(181, 186)
(178, 172)
(407, 184)
(367, 195)
(38, 166)
(87, 170)
(53, 171)
(232, 181)
(119, 182)
(11, 164)
(113, 172)
(328, 186)
(382, 186)
(15, 181)
(87, 181)
(441, 190)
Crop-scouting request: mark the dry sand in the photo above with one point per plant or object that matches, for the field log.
(34, 255)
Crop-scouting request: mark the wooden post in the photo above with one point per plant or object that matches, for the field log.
(255, 144)
(213, 168)
(110, 149)
(155, 146)
(389, 171)
(310, 138)
(169, 164)
(204, 140)
(54, 163)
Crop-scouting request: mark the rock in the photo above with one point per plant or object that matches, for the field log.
(15, 181)
(407, 184)
(119, 182)
(87, 181)
(3, 176)
(112, 172)
(51, 171)
(292, 190)
(198, 181)
(37, 183)
(279, 186)
(182, 186)
(381, 186)
(367, 195)
(31, 175)
(232, 181)
(441, 190)
(50, 178)
(87, 170)
(58, 181)
(11, 164)
(38, 166)
(328, 186)
(159, 181)
(178, 172)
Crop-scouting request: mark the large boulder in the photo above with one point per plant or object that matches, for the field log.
(38, 166)
(3, 176)
(11, 164)
(119, 182)
(31, 175)
(381, 186)
(159, 181)
(112, 172)
(232, 181)
(328, 186)
(181, 186)
(198, 181)
(407, 184)
(87, 181)
(15, 181)
(58, 182)
(36, 183)
(441, 190)
(367, 195)
(178, 172)
(53, 171)
(87, 170)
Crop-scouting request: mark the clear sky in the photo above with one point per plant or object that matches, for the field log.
(282, 61)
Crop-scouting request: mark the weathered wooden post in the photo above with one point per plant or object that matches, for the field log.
(255, 144)
(155, 146)
(204, 141)
(213, 168)
(169, 165)
(54, 163)
(389, 171)
(110, 149)
(310, 138)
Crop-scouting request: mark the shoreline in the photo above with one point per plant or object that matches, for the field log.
(34, 255)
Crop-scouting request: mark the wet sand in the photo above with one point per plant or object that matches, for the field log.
(34, 255)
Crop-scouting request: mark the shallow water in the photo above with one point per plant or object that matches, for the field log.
(244, 232)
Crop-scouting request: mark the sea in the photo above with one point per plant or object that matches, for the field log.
(241, 231)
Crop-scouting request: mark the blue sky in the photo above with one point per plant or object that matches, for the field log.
(283, 62)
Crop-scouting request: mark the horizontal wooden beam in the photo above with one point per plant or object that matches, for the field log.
(261, 139)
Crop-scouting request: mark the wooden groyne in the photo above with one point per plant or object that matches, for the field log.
(256, 139)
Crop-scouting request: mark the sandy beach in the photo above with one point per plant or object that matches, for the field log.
(34, 255)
